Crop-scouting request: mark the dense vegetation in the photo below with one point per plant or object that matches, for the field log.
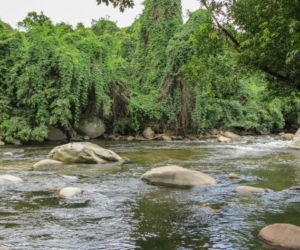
(159, 72)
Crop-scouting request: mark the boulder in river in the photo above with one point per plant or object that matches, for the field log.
(69, 192)
(9, 179)
(177, 176)
(247, 190)
(83, 152)
(287, 137)
(46, 164)
(285, 236)
(222, 138)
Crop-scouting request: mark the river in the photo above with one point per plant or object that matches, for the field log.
(119, 211)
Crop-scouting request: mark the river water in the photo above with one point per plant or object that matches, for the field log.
(119, 211)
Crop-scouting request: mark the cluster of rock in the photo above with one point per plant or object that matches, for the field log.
(92, 128)
(78, 152)
(283, 235)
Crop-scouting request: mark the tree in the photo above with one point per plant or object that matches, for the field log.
(51, 75)
(266, 35)
(122, 4)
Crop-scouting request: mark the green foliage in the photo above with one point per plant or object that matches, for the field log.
(188, 77)
(156, 26)
(122, 4)
(52, 75)
(225, 94)
(33, 19)
(266, 36)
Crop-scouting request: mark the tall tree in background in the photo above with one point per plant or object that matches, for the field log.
(158, 23)
(266, 34)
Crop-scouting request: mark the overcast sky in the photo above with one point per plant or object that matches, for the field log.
(74, 11)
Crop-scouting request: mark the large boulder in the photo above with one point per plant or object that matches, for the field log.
(148, 133)
(295, 144)
(9, 179)
(55, 134)
(177, 176)
(285, 236)
(92, 127)
(83, 152)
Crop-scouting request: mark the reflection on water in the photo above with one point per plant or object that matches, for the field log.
(119, 211)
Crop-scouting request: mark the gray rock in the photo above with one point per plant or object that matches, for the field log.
(46, 164)
(177, 176)
(69, 192)
(86, 138)
(285, 236)
(148, 133)
(233, 176)
(55, 134)
(231, 135)
(222, 138)
(295, 144)
(83, 152)
(287, 136)
(8, 154)
(247, 190)
(9, 179)
(166, 138)
(92, 127)
(16, 142)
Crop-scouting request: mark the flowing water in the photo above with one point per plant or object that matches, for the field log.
(119, 211)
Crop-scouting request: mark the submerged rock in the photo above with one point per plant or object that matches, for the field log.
(297, 188)
(67, 176)
(69, 192)
(233, 176)
(8, 154)
(4, 248)
(83, 152)
(46, 164)
(177, 176)
(246, 190)
(9, 179)
(286, 236)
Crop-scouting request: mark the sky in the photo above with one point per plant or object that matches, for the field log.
(75, 11)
